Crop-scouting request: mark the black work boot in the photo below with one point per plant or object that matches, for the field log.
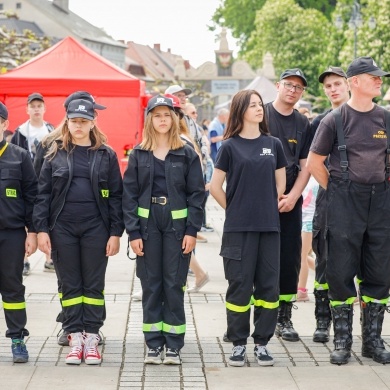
(342, 326)
(323, 316)
(372, 321)
(284, 327)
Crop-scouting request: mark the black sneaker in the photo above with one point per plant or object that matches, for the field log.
(262, 356)
(172, 356)
(49, 266)
(226, 338)
(154, 356)
(26, 268)
(62, 338)
(238, 356)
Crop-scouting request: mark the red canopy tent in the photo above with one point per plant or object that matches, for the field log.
(70, 66)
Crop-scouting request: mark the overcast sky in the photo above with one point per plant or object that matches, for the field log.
(180, 25)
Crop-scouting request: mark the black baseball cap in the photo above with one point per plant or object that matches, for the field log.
(83, 95)
(332, 70)
(362, 65)
(3, 111)
(294, 72)
(34, 96)
(157, 101)
(81, 108)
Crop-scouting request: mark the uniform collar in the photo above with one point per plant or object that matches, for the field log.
(2, 143)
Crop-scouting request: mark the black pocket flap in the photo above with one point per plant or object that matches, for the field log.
(231, 252)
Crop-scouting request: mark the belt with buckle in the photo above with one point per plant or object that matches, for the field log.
(160, 200)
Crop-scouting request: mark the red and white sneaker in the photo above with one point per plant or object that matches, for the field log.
(76, 342)
(91, 352)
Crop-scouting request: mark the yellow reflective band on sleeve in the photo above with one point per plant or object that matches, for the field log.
(72, 301)
(157, 327)
(178, 214)
(174, 329)
(2, 150)
(105, 193)
(319, 286)
(373, 300)
(349, 301)
(14, 306)
(288, 298)
(238, 309)
(144, 213)
(265, 304)
(93, 301)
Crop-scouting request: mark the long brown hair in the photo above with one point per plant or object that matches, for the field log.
(64, 139)
(149, 141)
(240, 104)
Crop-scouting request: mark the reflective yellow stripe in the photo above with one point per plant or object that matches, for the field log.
(349, 301)
(60, 295)
(184, 288)
(178, 214)
(265, 304)
(14, 306)
(288, 298)
(174, 329)
(358, 281)
(93, 301)
(238, 309)
(152, 327)
(319, 286)
(144, 213)
(373, 300)
(3, 149)
(72, 301)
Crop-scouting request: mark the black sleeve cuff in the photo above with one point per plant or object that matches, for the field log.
(191, 231)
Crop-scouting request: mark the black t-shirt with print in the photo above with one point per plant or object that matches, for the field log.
(251, 196)
(365, 138)
(286, 127)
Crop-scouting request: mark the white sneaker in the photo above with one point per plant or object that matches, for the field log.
(137, 296)
(91, 352)
(76, 343)
(154, 356)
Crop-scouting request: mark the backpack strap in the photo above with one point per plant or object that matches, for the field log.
(387, 122)
(342, 146)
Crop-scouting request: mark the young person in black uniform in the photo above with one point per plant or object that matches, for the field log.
(78, 217)
(358, 209)
(251, 241)
(18, 189)
(336, 88)
(162, 198)
(293, 129)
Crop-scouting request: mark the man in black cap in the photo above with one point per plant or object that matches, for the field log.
(355, 140)
(27, 136)
(336, 88)
(293, 129)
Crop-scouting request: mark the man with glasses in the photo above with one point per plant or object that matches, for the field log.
(293, 129)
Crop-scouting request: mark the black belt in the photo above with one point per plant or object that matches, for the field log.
(163, 200)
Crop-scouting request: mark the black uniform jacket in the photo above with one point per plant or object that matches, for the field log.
(185, 186)
(18, 188)
(55, 179)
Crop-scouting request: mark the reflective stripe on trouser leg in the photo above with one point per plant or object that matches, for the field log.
(163, 273)
(249, 273)
(12, 252)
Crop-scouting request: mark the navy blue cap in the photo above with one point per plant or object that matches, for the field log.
(157, 101)
(81, 108)
(3, 111)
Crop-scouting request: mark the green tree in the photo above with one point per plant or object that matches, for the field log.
(297, 38)
(324, 6)
(15, 49)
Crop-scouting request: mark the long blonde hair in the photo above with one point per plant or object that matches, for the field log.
(62, 139)
(149, 141)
